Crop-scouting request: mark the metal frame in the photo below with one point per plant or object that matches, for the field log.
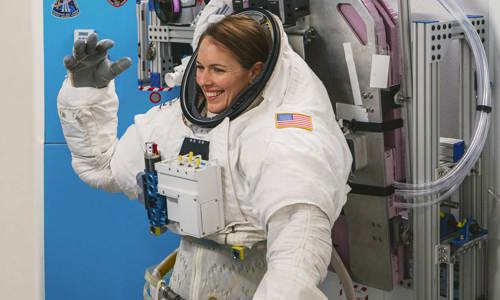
(142, 17)
(155, 46)
(474, 190)
(423, 139)
(431, 40)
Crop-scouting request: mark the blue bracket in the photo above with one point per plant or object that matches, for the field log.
(468, 230)
(155, 203)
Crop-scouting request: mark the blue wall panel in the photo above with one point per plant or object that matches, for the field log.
(97, 244)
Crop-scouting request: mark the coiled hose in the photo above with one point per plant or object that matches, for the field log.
(445, 185)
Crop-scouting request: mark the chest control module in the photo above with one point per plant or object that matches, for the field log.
(193, 190)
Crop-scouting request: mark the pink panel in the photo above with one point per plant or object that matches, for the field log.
(382, 47)
(392, 38)
(395, 139)
(355, 21)
(176, 6)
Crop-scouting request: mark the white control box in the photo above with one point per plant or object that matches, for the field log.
(193, 188)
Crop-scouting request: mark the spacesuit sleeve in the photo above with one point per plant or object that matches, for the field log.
(302, 167)
(298, 254)
(89, 121)
(299, 193)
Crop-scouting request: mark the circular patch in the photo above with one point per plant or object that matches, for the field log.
(155, 97)
(117, 3)
(65, 9)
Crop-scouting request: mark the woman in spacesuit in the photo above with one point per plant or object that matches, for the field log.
(271, 129)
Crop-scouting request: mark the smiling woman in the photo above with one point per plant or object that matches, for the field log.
(224, 67)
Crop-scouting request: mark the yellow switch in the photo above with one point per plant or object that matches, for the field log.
(190, 157)
(238, 252)
(461, 224)
(156, 230)
(198, 162)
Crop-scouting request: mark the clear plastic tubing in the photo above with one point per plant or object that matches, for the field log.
(452, 179)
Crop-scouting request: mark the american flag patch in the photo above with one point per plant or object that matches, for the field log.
(287, 120)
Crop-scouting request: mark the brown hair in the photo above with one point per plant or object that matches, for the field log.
(243, 36)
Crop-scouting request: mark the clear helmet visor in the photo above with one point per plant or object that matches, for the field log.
(191, 93)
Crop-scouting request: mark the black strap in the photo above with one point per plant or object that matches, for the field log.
(362, 189)
(485, 108)
(376, 127)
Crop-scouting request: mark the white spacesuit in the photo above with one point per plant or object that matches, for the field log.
(281, 184)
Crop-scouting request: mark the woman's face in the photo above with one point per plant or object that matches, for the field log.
(220, 75)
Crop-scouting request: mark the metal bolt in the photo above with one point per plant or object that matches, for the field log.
(309, 35)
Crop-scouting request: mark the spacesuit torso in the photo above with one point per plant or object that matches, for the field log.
(267, 167)
(166, 126)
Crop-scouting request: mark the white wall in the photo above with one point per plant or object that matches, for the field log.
(21, 150)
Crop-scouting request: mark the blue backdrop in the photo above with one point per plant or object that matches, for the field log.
(97, 244)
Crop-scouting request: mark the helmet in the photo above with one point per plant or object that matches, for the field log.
(191, 92)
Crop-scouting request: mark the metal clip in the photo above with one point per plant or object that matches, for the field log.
(443, 254)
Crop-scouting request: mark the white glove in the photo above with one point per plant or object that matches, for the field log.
(299, 248)
(89, 122)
